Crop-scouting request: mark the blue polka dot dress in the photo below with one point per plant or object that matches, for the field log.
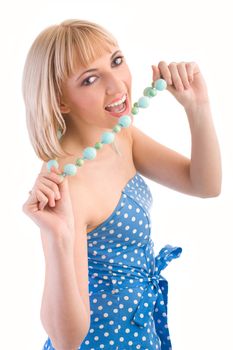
(128, 295)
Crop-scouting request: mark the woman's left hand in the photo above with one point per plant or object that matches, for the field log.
(184, 81)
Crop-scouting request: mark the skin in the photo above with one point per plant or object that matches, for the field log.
(91, 196)
(84, 98)
(83, 109)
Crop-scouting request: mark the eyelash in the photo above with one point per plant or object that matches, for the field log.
(87, 79)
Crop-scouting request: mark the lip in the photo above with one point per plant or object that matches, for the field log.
(125, 112)
(117, 99)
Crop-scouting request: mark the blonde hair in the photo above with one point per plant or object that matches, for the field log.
(54, 56)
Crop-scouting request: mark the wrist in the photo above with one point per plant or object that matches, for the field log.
(198, 115)
(62, 238)
(196, 107)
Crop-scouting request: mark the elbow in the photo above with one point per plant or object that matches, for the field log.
(211, 194)
(71, 344)
(71, 341)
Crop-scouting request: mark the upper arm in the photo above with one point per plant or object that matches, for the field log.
(160, 163)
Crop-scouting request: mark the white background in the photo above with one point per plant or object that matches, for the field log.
(200, 281)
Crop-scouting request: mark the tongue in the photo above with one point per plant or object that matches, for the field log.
(115, 109)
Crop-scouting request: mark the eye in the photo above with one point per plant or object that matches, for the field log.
(118, 60)
(89, 80)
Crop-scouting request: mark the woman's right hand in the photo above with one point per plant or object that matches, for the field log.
(49, 204)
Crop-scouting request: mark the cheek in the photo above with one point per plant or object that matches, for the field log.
(129, 82)
(85, 102)
(128, 78)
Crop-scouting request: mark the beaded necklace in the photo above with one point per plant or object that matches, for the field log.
(107, 137)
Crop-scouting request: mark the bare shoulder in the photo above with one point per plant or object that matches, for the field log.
(91, 188)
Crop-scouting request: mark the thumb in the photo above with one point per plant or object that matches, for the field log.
(63, 185)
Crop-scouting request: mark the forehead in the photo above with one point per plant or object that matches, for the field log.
(98, 55)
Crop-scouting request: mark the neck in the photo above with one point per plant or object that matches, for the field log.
(80, 135)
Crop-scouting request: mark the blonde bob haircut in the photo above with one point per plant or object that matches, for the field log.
(53, 57)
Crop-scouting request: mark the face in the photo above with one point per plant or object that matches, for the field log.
(89, 94)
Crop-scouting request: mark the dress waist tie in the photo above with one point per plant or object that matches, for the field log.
(155, 297)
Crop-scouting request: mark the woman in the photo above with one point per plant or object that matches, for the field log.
(103, 288)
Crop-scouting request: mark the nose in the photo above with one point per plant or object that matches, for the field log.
(114, 85)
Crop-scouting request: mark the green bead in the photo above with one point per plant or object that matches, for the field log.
(146, 91)
(98, 145)
(135, 110)
(79, 162)
(117, 128)
(150, 91)
(153, 92)
(59, 134)
(136, 104)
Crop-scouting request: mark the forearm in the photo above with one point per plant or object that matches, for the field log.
(63, 313)
(205, 165)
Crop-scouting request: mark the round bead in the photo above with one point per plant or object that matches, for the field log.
(70, 169)
(89, 153)
(107, 137)
(98, 145)
(59, 134)
(136, 104)
(124, 121)
(146, 91)
(117, 128)
(52, 163)
(160, 84)
(153, 92)
(144, 102)
(79, 162)
(135, 110)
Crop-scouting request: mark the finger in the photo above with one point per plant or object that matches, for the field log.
(175, 76)
(58, 179)
(190, 71)
(55, 170)
(48, 193)
(181, 67)
(52, 185)
(165, 72)
(43, 200)
(37, 198)
(156, 72)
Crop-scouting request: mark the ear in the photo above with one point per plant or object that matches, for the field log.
(64, 108)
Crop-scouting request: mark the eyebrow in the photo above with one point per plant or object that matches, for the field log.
(95, 69)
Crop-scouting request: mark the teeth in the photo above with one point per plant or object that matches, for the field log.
(118, 103)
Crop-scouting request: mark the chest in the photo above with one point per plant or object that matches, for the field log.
(104, 184)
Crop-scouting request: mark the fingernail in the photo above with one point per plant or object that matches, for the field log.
(61, 177)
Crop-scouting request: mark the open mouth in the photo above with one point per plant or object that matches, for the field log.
(118, 108)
